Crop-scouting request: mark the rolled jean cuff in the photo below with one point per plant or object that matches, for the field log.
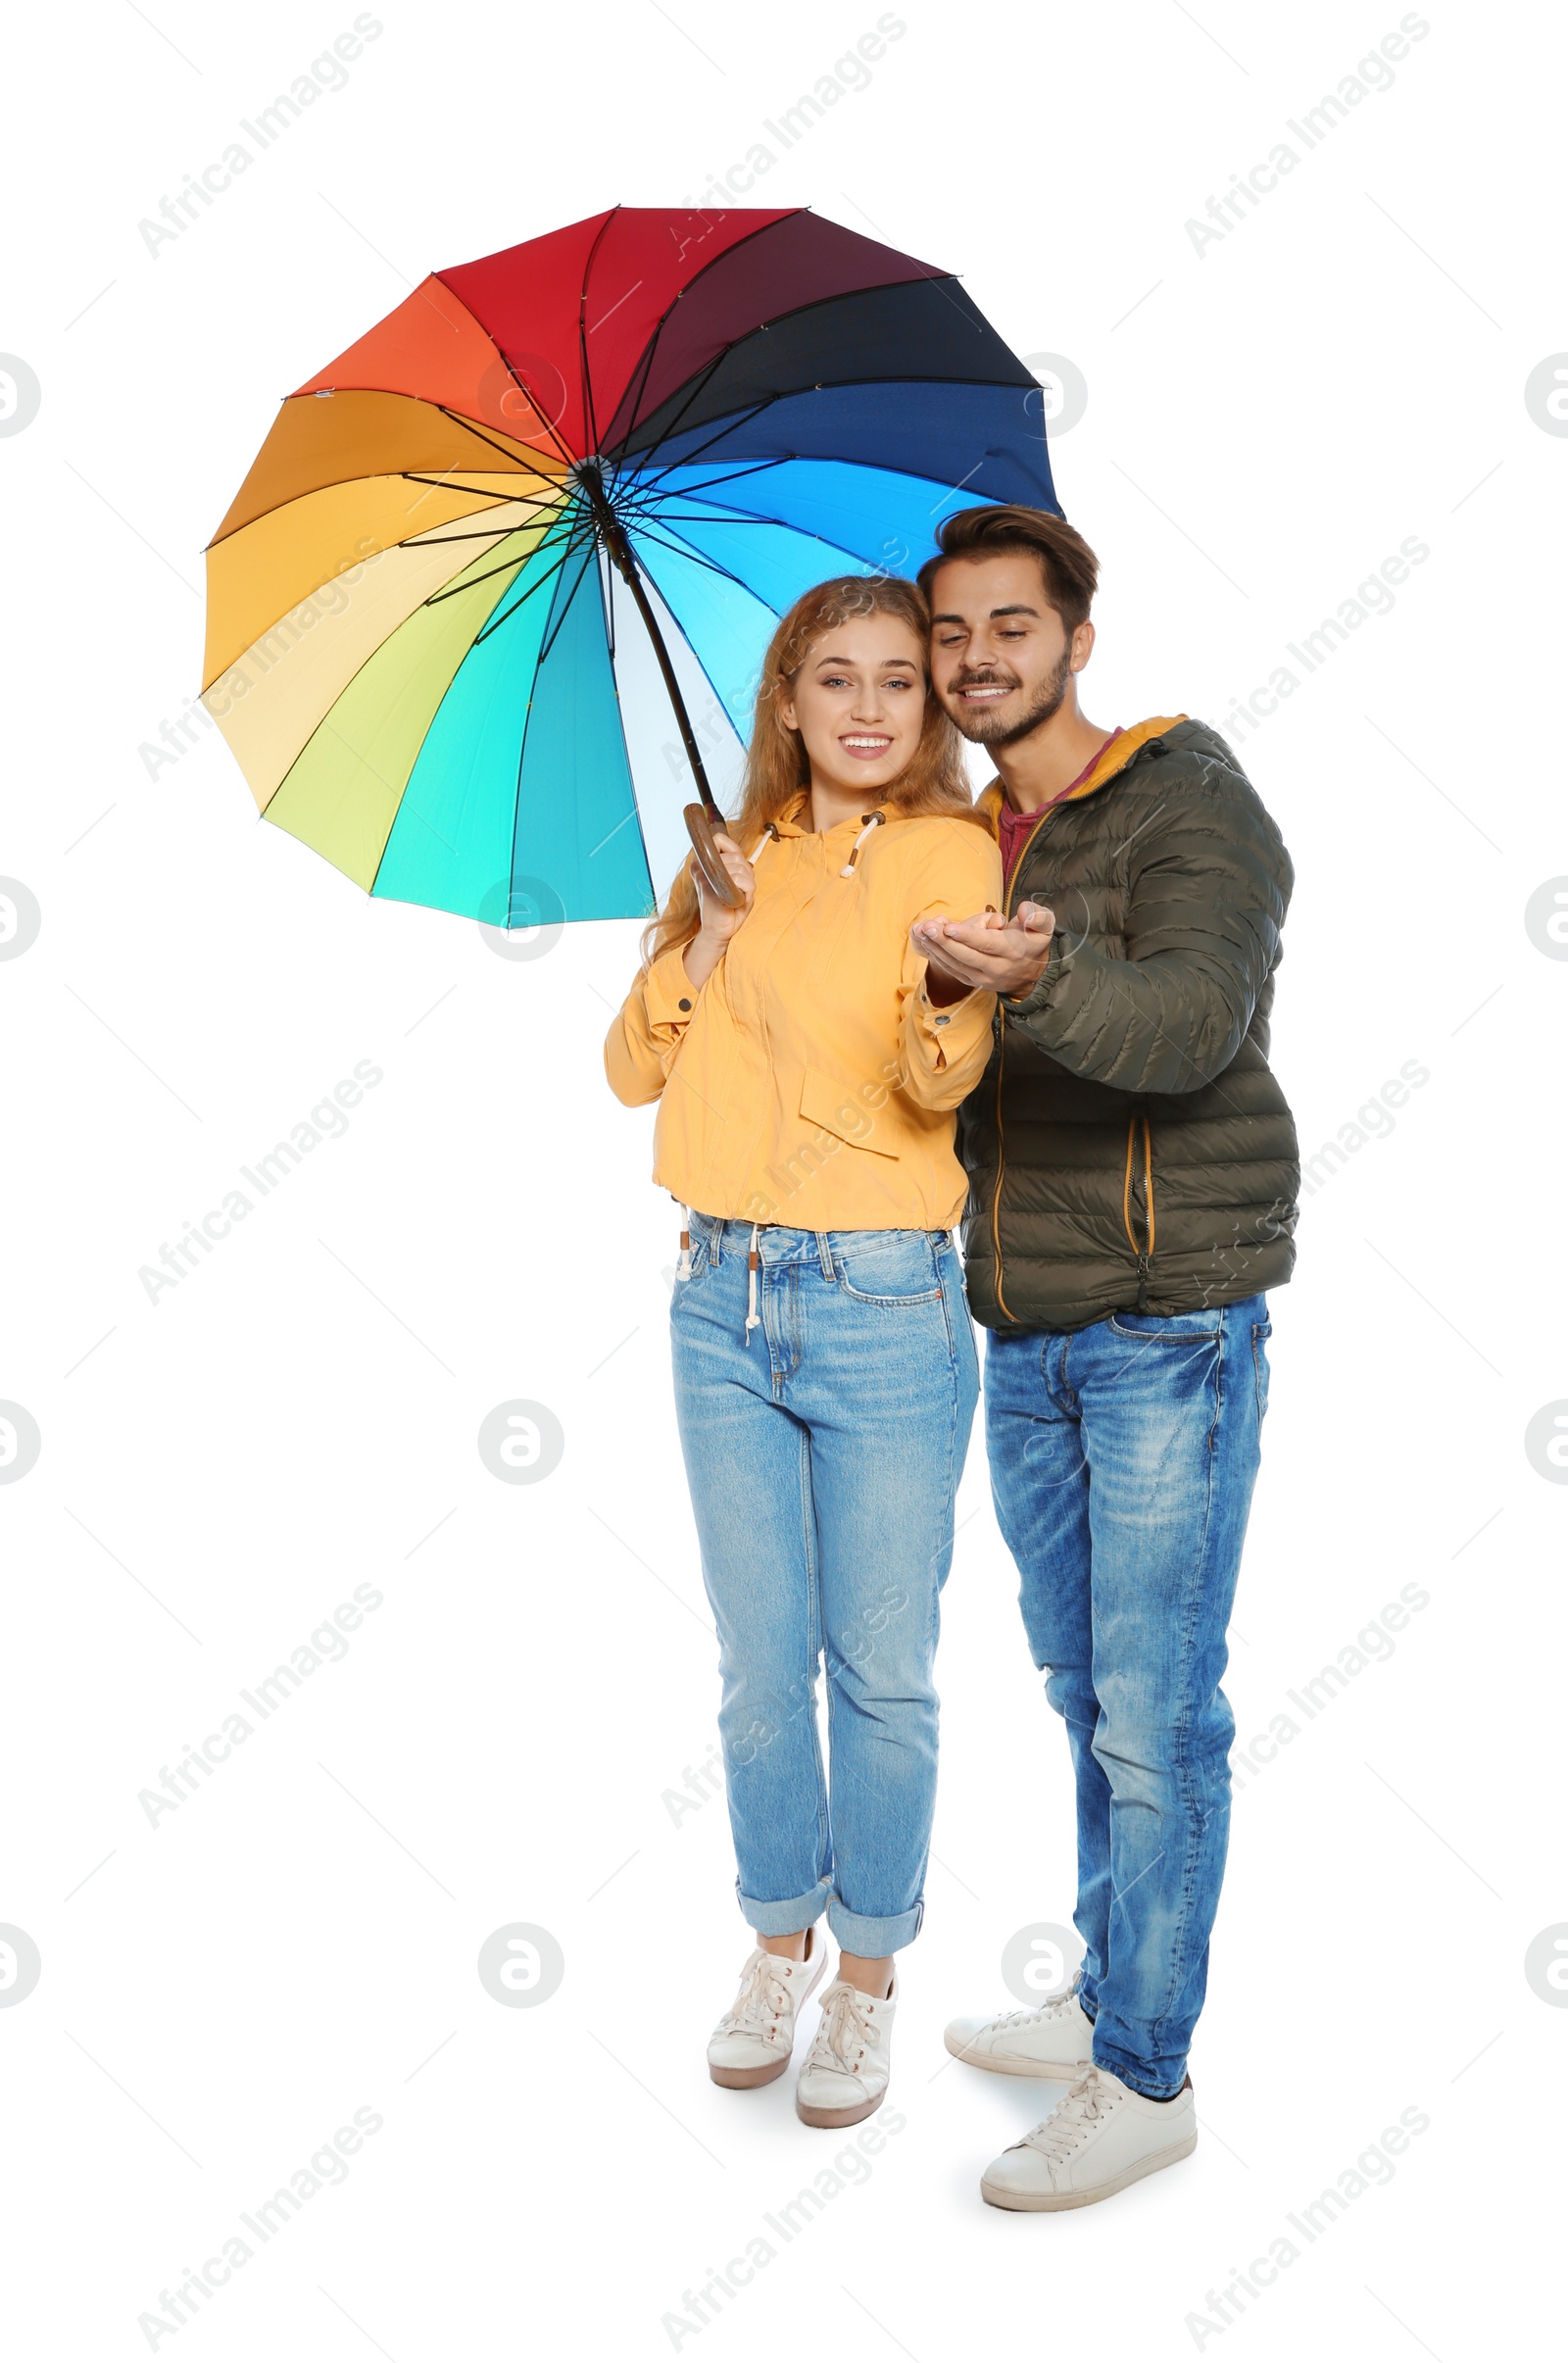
(1132, 2071)
(873, 1938)
(785, 1919)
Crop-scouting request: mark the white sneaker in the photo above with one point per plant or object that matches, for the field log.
(1055, 2039)
(752, 2040)
(845, 2076)
(1100, 2137)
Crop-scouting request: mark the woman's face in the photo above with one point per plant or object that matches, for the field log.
(859, 704)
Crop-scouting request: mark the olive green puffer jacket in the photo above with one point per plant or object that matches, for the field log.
(1127, 1147)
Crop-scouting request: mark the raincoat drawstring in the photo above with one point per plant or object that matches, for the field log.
(872, 820)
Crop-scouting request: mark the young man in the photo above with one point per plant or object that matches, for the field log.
(1133, 1181)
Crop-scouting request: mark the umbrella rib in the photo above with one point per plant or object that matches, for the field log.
(549, 425)
(577, 510)
(789, 213)
(744, 416)
(430, 537)
(483, 492)
(880, 466)
(690, 516)
(473, 425)
(636, 491)
(547, 575)
(674, 519)
(684, 548)
(550, 574)
(497, 534)
(566, 602)
(736, 475)
(452, 590)
(699, 386)
(645, 366)
(816, 303)
(728, 426)
(696, 655)
(582, 330)
(746, 517)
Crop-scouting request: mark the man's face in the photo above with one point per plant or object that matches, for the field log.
(1001, 656)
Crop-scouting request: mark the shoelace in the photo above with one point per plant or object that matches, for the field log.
(842, 2031)
(1040, 2010)
(763, 1999)
(1085, 2103)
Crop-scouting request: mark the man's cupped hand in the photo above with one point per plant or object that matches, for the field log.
(990, 953)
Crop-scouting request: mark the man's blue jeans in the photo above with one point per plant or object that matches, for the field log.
(1122, 1461)
(823, 1450)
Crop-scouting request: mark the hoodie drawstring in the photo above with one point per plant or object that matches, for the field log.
(872, 820)
(753, 1265)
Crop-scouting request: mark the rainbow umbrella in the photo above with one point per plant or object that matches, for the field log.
(497, 584)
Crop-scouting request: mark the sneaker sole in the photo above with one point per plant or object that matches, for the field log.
(747, 2080)
(1052, 2201)
(1018, 2067)
(838, 2116)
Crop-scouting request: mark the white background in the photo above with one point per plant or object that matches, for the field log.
(1266, 421)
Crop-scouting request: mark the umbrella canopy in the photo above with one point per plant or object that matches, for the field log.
(501, 577)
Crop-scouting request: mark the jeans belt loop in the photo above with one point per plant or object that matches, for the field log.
(825, 1254)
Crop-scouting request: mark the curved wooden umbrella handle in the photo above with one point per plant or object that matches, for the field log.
(701, 820)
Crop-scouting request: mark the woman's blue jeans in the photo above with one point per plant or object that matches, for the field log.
(1122, 1460)
(824, 1448)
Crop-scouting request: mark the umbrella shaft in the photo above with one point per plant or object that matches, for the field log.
(621, 553)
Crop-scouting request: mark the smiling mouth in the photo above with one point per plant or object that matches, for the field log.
(973, 691)
(865, 745)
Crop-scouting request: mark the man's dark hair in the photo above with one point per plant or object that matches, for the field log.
(1067, 563)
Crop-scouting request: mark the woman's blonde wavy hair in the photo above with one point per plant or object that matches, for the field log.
(777, 767)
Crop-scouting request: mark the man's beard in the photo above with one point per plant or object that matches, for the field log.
(986, 728)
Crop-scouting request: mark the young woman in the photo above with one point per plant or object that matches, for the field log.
(808, 1066)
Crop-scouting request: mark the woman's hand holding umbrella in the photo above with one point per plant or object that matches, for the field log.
(720, 919)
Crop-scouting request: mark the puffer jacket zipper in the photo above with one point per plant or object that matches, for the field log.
(1002, 1053)
(1145, 1253)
